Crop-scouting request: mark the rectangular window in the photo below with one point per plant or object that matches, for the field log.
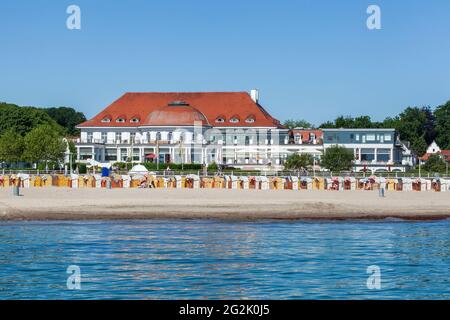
(123, 154)
(387, 137)
(136, 154)
(85, 153)
(383, 155)
(357, 137)
(370, 137)
(367, 154)
(110, 154)
(104, 136)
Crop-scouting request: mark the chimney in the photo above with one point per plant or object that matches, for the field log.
(254, 94)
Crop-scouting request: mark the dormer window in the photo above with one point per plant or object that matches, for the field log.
(120, 120)
(106, 120)
(234, 119)
(220, 120)
(250, 120)
(135, 120)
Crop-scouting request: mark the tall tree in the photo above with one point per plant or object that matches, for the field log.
(298, 161)
(337, 158)
(435, 163)
(11, 146)
(442, 114)
(23, 119)
(291, 124)
(67, 118)
(417, 126)
(43, 144)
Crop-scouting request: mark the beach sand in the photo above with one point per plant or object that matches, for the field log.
(79, 204)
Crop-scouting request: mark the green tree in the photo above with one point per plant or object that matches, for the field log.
(43, 144)
(291, 124)
(337, 158)
(442, 114)
(298, 161)
(11, 146)
(68, 118)
(24, 119)
(416, 125)
(435, 163)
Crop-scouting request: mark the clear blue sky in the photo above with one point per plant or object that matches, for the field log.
(309, 59)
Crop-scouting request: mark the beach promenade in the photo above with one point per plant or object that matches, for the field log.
(79, 204)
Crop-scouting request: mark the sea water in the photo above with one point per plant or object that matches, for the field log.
(213, 259)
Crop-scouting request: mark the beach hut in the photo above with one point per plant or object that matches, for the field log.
(444, 185)
(83, 181)
(136, 180)
(3, 180)
(116, 181)
(74, 181)
(234, 182)
(244, 182)
(294, 183)
(428, 184)
(126, 180)
(391, 184)
(406, 184)
(420, 184)
(97, 181)
(24, 180)
(206, 182)
(47, 180)
(192, 181)
(349, 183)
(318, 183)
(328, 183)
(178, 182)
(218, 182)
(306, 183)
(278, 183)
(265, 183)
(253, 184)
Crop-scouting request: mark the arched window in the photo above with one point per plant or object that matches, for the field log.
(120, 120)
(220, 119)
(106, 119)
(234, 119)
(135, 120)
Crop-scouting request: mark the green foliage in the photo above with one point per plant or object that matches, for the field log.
(291, 124)
(81, 167)
(435, 163)
(298, 161)
(67, 118)
(442, 114)
(11, 146)
(416, 125)
(24, 119)
(337, 158)
(213, 166)
(44, 144)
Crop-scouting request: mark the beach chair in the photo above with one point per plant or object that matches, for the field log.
(294, 183)
(74, 180)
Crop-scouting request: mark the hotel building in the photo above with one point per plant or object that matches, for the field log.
(373, 149)
(229, 128)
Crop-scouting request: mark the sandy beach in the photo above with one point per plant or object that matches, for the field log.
(80, 204)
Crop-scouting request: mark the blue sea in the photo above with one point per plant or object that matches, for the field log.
(212, 259)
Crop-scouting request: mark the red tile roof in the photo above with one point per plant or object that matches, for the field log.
(306, 134)
(211, 104)
(445, 153)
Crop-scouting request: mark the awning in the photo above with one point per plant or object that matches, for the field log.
(150, 156)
